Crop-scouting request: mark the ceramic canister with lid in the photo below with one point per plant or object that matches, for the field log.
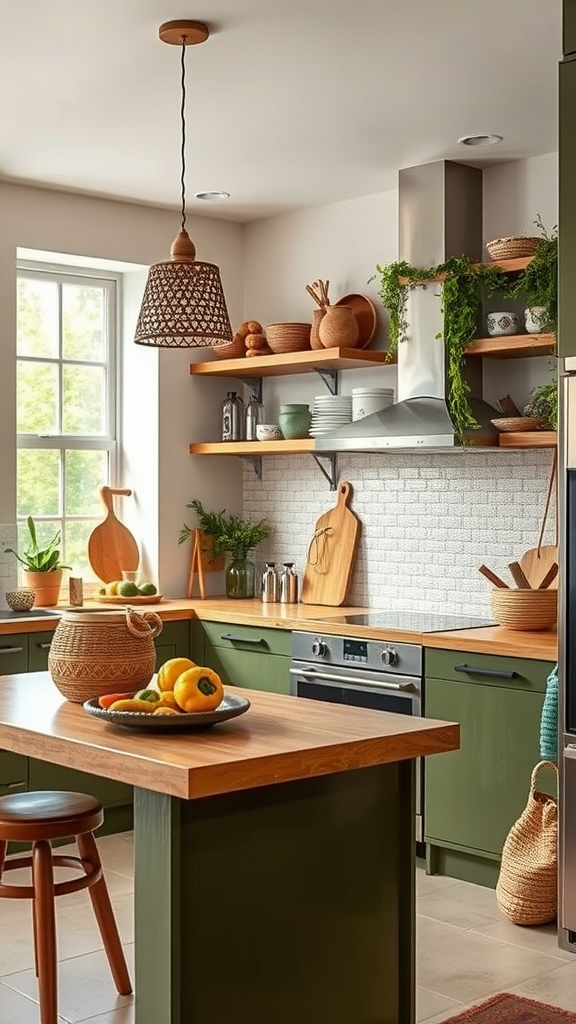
(100, 651)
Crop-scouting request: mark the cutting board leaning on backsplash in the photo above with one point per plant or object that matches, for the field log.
(331, 553)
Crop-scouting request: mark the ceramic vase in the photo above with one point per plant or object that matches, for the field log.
(338, 328)
(317, 315)
(294, 420)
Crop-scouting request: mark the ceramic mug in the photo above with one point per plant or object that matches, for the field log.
(502, 324)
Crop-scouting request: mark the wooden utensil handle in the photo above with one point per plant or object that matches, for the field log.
(493, 577)
(549, 577)
(518, 576)
(107, 492)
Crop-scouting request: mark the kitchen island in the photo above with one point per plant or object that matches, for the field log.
(274, 854)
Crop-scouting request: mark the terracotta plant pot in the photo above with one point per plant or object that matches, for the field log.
(46, 587)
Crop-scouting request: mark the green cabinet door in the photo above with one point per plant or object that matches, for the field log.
(38, 647)
(258, 659)
(567, 204)
(474, 795)
(569, 26)
(172, 642)
(13, 653)
(42, 775)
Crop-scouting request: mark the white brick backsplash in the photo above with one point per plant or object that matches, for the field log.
(428, 520)
(8, 564)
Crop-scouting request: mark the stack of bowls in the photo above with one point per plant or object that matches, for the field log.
(330, 412)
(365, 401)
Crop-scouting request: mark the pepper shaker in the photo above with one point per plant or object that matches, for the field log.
(288, 584)
(270, 583)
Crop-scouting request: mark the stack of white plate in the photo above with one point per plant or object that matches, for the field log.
(329, 412)
(368, 400)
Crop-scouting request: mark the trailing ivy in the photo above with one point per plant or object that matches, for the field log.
(538, 283)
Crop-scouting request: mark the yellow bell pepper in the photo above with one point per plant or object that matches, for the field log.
(198, 689)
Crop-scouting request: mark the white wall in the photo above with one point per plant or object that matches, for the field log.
(165, 409)
(428, 520)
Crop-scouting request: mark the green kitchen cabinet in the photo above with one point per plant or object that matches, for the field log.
(13, 653)
(173, 642)
(13, 772)
(38, 647)
(475, 794)
(567, 202)
(250, 656)
(569, 27)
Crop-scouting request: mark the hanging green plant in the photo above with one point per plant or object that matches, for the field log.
(464, 284)
(538, 283)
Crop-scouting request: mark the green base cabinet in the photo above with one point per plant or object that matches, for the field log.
(475, 794)
(248, 656)
(172, 642)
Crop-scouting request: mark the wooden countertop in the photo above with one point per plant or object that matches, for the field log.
(279, 739)
(542, 646)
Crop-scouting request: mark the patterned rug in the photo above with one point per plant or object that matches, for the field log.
(508, 1009)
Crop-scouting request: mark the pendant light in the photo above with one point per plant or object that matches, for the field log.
(183, 304)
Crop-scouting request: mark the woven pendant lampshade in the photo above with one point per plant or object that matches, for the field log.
(183, 304)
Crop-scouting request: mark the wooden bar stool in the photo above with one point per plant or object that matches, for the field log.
(39, 818)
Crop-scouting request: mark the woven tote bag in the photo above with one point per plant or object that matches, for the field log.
(526, 892)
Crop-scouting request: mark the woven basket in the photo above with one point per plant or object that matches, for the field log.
(93, 653)
(524, 609)
(512, 248)
(235, 350)
(526, 891)
(288, 337)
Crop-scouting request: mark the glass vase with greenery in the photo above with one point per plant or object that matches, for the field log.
(235, 537)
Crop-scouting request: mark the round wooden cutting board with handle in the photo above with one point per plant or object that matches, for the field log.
(331, 553)
(111, 546)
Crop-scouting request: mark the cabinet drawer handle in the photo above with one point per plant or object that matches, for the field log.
(16, 785)
(242, 639)
(496, 673)
(11, 650)
(44, 647)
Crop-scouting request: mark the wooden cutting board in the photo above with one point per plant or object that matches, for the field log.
(331, 553)
(111, 546)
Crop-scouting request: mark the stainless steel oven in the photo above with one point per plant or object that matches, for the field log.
(364, 674)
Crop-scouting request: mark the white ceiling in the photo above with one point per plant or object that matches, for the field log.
(291, 103)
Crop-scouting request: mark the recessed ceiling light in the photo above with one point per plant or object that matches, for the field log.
(212, 197)
(480, 140)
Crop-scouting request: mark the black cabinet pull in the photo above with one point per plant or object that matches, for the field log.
(242, 639)
(11, 650)
(496, 673)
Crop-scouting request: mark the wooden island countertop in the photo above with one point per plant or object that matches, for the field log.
(279, 739)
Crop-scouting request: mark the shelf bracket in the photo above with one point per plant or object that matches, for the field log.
(255, 385)
(256, 462)
(332, 475)
(330, 378)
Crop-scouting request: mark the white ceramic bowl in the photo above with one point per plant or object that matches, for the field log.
(501, 324)
(268, 432)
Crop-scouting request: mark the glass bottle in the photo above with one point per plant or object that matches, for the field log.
(232, 417)
(254, 416)
(240, 576)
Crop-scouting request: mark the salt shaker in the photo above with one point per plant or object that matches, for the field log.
(288, 584)
(270, 583)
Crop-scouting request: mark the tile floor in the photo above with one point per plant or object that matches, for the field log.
(466, 952)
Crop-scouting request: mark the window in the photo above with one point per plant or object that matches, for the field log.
(66, 403)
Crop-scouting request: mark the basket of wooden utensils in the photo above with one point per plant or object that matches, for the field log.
(523, 607)
(319, 292)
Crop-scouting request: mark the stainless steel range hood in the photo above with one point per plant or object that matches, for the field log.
(440, 215)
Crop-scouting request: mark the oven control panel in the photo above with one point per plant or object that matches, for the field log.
(379, 655)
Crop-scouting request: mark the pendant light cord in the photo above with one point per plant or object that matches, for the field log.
(183, 145)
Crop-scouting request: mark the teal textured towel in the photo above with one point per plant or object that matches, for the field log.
(549, 719)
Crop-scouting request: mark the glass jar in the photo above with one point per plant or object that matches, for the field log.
(240, 576)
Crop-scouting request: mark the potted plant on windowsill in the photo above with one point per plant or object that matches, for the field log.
(42, 568)
(235, 537)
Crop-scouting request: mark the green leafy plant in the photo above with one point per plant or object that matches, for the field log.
(231, 534)
(544, 402)
(538, 283)
(465, 283)
(37, 559)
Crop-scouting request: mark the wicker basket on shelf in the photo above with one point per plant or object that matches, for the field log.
(288, 337)
(524, 609)
(235, 350)
(513, 247)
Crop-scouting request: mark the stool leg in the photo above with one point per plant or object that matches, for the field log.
(45, 929)
(105, 917)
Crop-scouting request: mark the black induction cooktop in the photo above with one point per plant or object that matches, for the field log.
(416, 622)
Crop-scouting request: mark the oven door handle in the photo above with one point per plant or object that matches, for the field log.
(313, 674)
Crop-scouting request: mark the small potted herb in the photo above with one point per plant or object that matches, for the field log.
(544, 402)
(235, 537)
(42, 568)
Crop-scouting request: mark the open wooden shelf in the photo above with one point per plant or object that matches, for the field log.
(292, 363)
(508, 266)
(251, 448)
(529, 439)
(513, 346)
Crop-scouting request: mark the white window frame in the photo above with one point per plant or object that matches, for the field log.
(109, 441)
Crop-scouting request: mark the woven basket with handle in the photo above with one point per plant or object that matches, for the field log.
(513, 247)
(93, 653)
(526, 892)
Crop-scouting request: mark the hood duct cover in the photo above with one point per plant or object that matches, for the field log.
(440, 215)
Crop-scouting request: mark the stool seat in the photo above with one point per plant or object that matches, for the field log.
(40, 817)
(47, 806)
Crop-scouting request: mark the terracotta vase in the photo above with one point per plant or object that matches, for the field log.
(338, 328)
(46, 587)
(317, 315)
